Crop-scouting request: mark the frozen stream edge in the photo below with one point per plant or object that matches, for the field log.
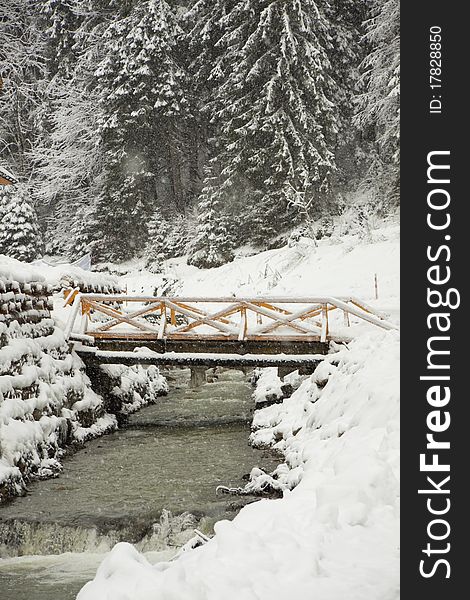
(231, 400)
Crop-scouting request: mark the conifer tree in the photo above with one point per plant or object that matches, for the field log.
(346, 51)
(20, 237)
(274, 110)
(82, 233)
(380, 103)
(61, 22)
(158, 232)
(143, 100)
(212, 246)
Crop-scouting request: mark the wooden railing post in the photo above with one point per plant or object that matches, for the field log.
(162, 329)
(243, 324)
(324, 322)
(71, 322)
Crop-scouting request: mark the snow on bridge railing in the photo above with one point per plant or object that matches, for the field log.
(107, 316)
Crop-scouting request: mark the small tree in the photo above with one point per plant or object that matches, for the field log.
(155, 250)
(20, 237)
(212, 246)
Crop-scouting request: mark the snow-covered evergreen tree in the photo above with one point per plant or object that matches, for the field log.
(380, 103)
(212, 246)
(61, 21)
(346, 50)
(208, 60)
(20, 237)
(158, 232)
(143, 101)
(111, 113)
(277, 122)
(82, 236)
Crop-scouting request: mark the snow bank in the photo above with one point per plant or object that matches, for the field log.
(46, 398)
(127, 389)
(45, 395)
(334, 533)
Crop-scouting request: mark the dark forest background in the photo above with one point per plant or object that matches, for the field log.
(153, 128)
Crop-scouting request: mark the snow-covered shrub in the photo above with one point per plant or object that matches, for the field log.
(19, 230)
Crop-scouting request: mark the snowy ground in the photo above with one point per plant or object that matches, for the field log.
(337, 267)
(334, 533)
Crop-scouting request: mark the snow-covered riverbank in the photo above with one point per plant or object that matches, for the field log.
(47, 403)
(334, 533)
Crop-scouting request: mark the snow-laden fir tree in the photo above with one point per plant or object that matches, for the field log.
(212, 246)
(82, 232)
(158, 232)
(277, 122)
(61, 20)
(203, 28)
(380, 103)
(207, 59)
(346, 50)
(20, 236)
(143, 99)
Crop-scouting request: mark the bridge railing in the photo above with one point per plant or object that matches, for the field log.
(105, 316)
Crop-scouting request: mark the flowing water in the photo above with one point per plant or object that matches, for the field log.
(151, 483)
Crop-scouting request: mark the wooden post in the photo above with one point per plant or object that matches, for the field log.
(161, 331)
(73, 315)
(376, 286)
(243, 324)
(324, 322)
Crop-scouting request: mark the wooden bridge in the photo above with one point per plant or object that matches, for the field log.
(226, 331)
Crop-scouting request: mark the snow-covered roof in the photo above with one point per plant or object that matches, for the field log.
(70, 275)
(15, 270)
(64, 275)
(6, 178)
